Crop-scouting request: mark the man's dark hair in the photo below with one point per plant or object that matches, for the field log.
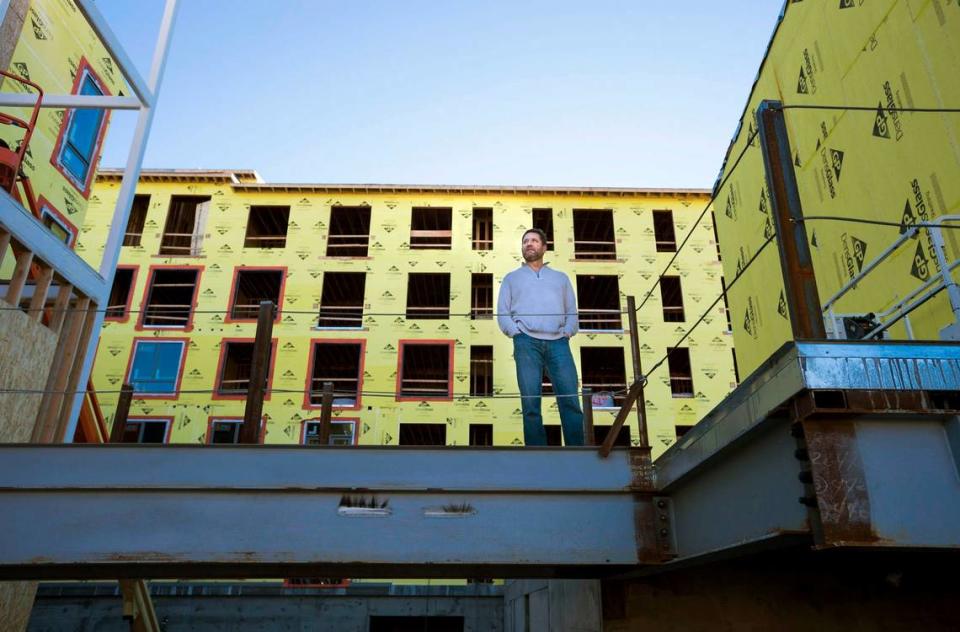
(538, 231)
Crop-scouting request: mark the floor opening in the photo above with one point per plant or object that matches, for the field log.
(349, 234)
(543, 219)
(119, 300)
(593, 236)
(341, 300)
(481, 370)
(138, 217)
(603, 371)
(423, 434)
(671, 297)
(170, 297)
(254, 286)
(428, 295)
(481, 295)
(483, 229)
(267, 227)
(663, 231)
(481, 434)
(681, 375)
(598, 301)
(183, 230)
(430, 228)
(340, 364)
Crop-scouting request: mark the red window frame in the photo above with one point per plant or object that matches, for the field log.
(223, 357)
(83, 66)
(183, 364)
(354, 420)
(45, 204)
(209, 437)
(146, 293)
(133, 287)
(233, 291)
(402, 344)
(307, 404)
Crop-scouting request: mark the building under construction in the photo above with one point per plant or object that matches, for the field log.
(334, 345)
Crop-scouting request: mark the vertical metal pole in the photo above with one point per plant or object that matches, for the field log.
(128, 186)
(588, 438)
(120, 416)
(253, 412)
(637, 371)
(326, 408)
(796, 263)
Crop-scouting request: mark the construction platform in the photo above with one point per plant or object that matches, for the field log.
(828, 445)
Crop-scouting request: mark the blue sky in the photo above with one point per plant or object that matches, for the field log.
(596, 93)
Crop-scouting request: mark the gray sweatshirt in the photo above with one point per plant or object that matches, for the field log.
(540, 304)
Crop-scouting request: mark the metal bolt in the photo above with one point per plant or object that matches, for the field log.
(663, 517)
(661, 503)
(801, 454)
(806, 477)
(664, 532)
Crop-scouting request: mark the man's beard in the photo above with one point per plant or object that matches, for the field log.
(531, 255)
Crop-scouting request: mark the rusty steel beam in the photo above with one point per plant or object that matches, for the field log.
(150, 511)
(800, 282)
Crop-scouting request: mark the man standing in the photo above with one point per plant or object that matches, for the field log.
(537, 309)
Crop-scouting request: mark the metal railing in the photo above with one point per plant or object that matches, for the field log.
(936, 283)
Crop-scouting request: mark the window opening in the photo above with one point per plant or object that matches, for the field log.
(341, 432)
(120, 292)
(349, 234)
(481, 434)
(170, 297)
(623, 437)
(593, 236)
(481, 371)
(156, 366)
(340, 364)
(663, 231)
(554, 435)
(430, 228)
(341, 300)
(425, 370)
(77, 153)
(598, 301)
(671, 297)
(225, 430)
(235, 371)
(145, 431)
(681, 375)
(267, 227)
(483, 229)
(543, 219)
(428, 295)
(481, 295)
(603, 371)
(55, 225)
(423, 434)
(682, 430)
(183, 230)
(138, 218)
(252, 287)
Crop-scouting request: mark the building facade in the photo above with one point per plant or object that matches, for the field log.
(388, 292)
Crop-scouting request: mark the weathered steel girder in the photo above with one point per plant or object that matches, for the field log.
(109, 511)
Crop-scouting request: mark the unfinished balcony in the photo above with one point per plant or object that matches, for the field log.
(428, 296)
(593, 235)
(267, 227)
(349, 234)
(598, 302)
(431, 228)
(183, 229)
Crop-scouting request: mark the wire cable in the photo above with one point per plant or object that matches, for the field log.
(706, 208)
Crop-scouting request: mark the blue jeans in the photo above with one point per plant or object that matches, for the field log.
(533, 356)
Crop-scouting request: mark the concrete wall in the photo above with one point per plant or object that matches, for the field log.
(254, 614)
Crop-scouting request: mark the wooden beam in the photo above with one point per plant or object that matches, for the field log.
(253, 412)
(44, 279)
(19, 278)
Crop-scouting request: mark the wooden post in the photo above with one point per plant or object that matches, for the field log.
(253, 413)
(4, 243)
(325, 411)
(60, 307)
(43, 431)
(636, 389)
(588, 438)
(120, 416)
(40, 292)
(19, 278)
(73, 381)
(637, 371)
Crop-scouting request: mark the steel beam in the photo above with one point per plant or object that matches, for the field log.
(113, 510)
(75, 101)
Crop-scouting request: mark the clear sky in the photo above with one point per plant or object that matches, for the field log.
(577, 93)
